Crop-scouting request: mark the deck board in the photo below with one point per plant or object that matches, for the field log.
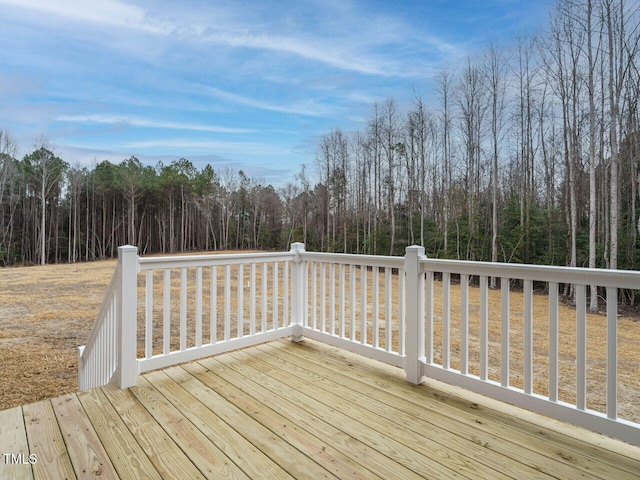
(13, 440)
(46, 442)
(87, 453)
(273, 433)
(128, 457)
(204, 454)
(164, 454)
(284, 410)
(486, 428)
(288, 420)
(577, 447)
(310, 434)
(434, 432)
(416, 452)
(231, 443)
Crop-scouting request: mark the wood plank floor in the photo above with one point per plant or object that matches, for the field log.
(285, 410)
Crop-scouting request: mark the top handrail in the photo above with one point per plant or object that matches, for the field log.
(150, 263)
(354, 259)
(574, 275)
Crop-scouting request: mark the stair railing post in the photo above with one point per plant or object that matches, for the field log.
(298, 308)
(127, 367)
(414, 335)
(82, 383)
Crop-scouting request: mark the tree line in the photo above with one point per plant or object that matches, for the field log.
(526, 154)
(53, 212)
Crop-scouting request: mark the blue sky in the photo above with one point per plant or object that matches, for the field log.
(248, 85)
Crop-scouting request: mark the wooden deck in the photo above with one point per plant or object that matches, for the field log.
(284, 410)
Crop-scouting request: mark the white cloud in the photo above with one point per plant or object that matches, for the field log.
(307, 108)
(343, 47)
(142, 122)
(112, 12)
(187, 144)
(326, 52)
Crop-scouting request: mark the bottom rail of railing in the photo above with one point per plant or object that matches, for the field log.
(195, 353)
(589, 419)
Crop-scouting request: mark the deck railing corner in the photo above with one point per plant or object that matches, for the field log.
(415, 352)
(298, 291)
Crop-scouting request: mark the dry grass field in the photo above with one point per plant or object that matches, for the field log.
(46, 312)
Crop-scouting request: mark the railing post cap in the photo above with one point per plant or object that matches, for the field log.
(128, 248)
(297, 247)
(416, 248)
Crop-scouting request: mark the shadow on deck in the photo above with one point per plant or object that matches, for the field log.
(286, 410)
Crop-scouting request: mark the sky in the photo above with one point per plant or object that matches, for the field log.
(243, 84)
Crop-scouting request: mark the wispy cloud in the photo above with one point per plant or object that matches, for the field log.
(143, 122)
(189, 144)
(307, 108)
(109, 12)
(350, 49)
(324, 52)
(87, 156)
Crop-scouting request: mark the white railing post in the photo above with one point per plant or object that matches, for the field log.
(82, 382)
(127, 368)
(415, 351)
(298, 287)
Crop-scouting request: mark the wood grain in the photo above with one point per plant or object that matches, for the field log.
(45, 440)
(88, 456)
(164, 454)
(127, 456)
(13, 441)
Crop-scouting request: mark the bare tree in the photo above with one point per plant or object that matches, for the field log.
(622, 47)
(580, 15)
(8, 200)
(374, 165)
(496, 78)
(472, 101)
(361, 184)
(420, 141)
(592, 53)
(305, 191)
(75, 183)
(393, 149)
(525, 70)
(444, 82)
(229, 183)
(332, 160)
(289, 192)
(46, 171)
(130, 180)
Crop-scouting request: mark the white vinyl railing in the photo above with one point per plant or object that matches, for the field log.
(527, 368)
(356, 302)
(212, 304)
(434, 318)
(97, 359)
